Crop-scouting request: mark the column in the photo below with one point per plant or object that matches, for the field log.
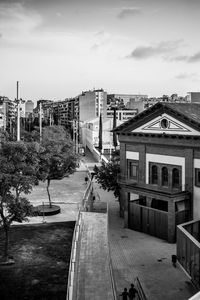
(171, 222)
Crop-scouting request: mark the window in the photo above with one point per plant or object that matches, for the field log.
(133, 169)
(197, 177)
(175, 178)
(164, 176)
(154, 174)
(164, 124)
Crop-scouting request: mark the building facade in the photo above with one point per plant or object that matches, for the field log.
(92, 104)
(193, 97)
(29, 106)
(160, 168)
(122, 115)
(7, 113)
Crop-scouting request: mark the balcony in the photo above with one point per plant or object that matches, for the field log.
(147, 189)
(188, 249)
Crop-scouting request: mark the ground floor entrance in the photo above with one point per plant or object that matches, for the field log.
(148, 220)
(156, 214)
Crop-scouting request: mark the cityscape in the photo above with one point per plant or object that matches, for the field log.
(99, 150)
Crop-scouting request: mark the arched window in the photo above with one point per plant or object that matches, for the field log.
(164, 176)
(175, 178)
(154, 172)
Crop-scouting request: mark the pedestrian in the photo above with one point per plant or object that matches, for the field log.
(132, 292)
(124, 294)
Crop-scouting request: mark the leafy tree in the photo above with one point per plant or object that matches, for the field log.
(18, 169)
(106, 176)
(57, 157)
(114, 125)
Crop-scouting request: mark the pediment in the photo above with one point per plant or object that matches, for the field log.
(167, 124)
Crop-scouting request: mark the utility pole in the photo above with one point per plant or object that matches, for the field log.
(18, 113)
(40, 121)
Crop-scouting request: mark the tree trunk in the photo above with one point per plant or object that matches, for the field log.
(6, 230)
(48, 184)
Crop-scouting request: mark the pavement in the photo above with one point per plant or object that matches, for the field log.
(132, 253)
(94, 280)
(135, 254)
(67, 193)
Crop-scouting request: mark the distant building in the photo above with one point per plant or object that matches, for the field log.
(193, 97)
(7, 112)
(91, 104)
(90, 134)
(29, 106)
(125, 98)
(122, 115)
(136, 105)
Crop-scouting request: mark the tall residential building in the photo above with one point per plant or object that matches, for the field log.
(7, 112)
(29, 105)
(91, 104)
(193, 97)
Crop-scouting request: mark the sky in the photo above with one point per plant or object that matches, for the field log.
(58, 48)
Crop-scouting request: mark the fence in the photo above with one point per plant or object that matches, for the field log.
(188, 249)
(113, 285)
(74, 259)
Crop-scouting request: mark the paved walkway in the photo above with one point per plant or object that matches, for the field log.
(137, 254)
(93, 267)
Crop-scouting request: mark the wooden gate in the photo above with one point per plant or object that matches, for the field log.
(148, 220)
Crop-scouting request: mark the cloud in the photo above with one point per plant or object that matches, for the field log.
(191, 76)
(129, 12)
(101, 38)
(145, 52)
(15, 19)
(187, 58)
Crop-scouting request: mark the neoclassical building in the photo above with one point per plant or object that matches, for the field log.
(160, 168)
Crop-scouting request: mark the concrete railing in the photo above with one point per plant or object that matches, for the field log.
(113, 284)
(86, 197)
(141, 294)
(74, 259)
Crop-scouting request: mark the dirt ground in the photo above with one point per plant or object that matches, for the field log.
(42, 255)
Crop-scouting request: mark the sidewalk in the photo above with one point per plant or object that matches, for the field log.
(137, 254)
(93, 263)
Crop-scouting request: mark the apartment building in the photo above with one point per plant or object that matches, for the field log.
(92, 104)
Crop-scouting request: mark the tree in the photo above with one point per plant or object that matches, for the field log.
(106, 176)
(18, 170)
(114, 125)
(57, 157)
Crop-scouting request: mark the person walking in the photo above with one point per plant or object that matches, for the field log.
(132, 292)
(124, 294)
